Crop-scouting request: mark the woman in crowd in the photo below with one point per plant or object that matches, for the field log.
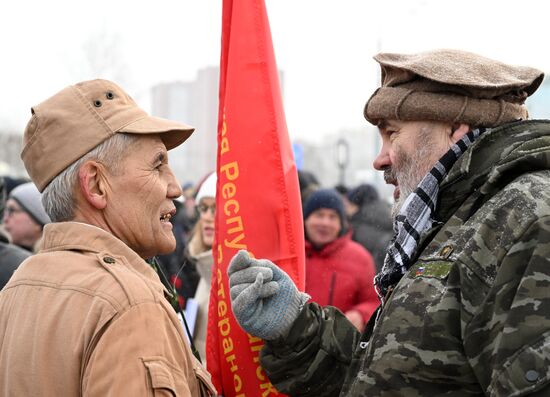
(199, 252)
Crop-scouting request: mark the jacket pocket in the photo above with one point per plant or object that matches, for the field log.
(205, 385)
(525, 372)
(160, 379)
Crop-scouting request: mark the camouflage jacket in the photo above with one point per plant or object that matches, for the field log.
(472, 315)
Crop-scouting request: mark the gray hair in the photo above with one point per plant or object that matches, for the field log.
(58, 196)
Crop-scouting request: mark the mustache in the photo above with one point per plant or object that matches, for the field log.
(389, 176)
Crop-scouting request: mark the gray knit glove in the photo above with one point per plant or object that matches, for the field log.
(264, 299)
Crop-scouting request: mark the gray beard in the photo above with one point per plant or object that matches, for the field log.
(397, 205)
(409, 172)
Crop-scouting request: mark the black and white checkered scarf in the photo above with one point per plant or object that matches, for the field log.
(415, 217)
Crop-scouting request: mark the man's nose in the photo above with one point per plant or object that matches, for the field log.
(382, 161)
(174, 188)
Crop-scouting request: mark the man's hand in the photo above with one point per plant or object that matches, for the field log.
(264, 299)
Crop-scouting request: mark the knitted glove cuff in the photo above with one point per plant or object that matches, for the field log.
(284, 323)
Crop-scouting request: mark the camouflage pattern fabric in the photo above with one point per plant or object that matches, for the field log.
(472, 315)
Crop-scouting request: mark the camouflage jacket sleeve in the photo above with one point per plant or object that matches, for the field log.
(507, 340)
(313, 360)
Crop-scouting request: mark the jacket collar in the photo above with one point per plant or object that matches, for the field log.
(497, 157)
(64, 236)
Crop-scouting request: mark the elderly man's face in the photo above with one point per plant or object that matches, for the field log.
(409, 150)
(140, 203)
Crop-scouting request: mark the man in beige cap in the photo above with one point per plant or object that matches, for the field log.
(465, 284)
(88, 315)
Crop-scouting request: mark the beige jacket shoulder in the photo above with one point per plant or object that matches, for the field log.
(87, 316)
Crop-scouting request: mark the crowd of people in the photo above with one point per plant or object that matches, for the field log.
(443, 292)
(346, 233)
(59, 216)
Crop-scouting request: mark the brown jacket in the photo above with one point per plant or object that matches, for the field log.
(87, 316)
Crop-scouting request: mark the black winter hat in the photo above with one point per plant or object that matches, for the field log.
(363, 194)
(324, 198)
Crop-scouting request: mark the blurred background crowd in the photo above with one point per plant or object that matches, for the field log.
(346, 229)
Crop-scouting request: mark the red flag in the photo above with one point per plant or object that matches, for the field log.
(258, 204)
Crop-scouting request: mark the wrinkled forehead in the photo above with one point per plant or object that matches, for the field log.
(385, 124)
(144, 146)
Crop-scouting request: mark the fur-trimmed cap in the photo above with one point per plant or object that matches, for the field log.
(451, 86)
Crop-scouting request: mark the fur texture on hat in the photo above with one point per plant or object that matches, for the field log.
(30, 200)
(325, 198)
(451, 86)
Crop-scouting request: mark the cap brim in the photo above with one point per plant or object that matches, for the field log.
(172, 133)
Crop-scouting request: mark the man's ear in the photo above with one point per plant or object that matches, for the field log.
(92, 184)
(458, 131)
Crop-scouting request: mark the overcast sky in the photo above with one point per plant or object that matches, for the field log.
(325, 48)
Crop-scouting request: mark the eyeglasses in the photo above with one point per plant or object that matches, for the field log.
(203, 208)
(9, 211)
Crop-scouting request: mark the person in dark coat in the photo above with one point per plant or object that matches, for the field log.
(370, 221)
(308, 184)
(11, 255)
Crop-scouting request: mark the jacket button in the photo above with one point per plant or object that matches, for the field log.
(446, 251)
(108, 259)
(532, 375)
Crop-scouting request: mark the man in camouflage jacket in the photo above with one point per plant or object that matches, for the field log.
(465, 285)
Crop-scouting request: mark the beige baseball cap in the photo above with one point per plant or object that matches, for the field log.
(68, 125)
